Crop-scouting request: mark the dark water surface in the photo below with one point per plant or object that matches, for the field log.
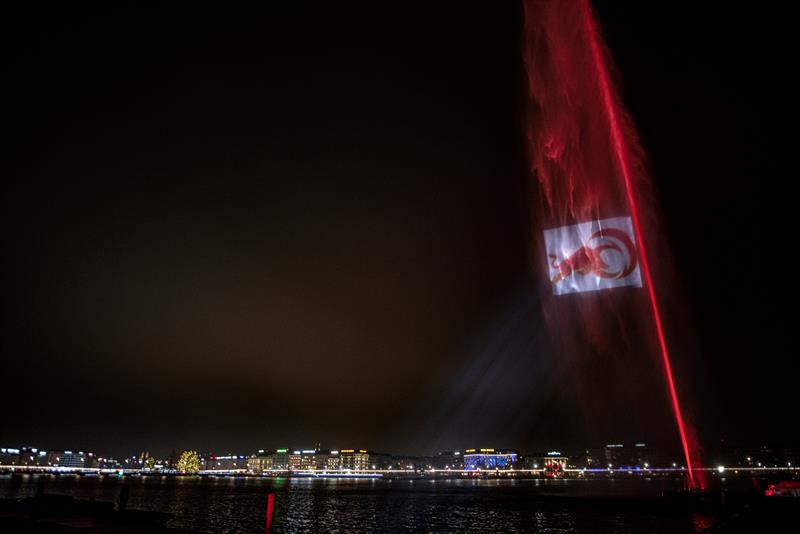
(212, 504)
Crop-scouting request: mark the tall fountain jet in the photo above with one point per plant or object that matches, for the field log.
(594, 215)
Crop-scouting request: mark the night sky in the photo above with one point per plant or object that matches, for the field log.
(240, 230)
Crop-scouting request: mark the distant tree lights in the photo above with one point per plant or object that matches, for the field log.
(189, 462)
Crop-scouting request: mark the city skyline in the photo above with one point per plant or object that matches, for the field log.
(785, 456)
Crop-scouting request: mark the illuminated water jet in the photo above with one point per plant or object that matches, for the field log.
(587, 160)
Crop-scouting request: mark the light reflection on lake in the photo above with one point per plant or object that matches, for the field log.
(219, 504)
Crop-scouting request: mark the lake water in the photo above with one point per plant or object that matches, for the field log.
(222, 504)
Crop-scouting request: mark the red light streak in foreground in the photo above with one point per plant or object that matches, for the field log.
(619, 149)
(270, 511)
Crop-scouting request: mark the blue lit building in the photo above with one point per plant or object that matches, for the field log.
(483, 459)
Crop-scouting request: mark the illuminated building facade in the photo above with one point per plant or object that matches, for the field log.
(354, 459)
(259, 463)
(72, 459)
(109, 463)
(551, 462)
(303, 460)
(264, 461)
(280, 460)
(332, 461)
(487, 458)
(229, 462)
(27, 456)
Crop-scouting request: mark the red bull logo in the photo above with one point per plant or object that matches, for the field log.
(591, 256)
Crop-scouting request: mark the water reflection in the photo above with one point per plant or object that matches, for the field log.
(216, 504)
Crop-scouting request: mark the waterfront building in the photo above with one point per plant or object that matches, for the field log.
(382, 460)
(761, 456)
(280, 460)
(303, 460)
(229, 462)
(91, 461)
(9, 456)
(791, 456)
(109, 463)
(330, 462)
(452, 460)
(264, 460)
(552, 462)
(71, 459)
(39, 458)
(621, 456)
(354, 459)
(261, 462)
(489, 458)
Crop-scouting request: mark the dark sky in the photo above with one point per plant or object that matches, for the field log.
(237, 230)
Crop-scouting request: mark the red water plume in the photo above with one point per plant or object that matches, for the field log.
(588, 163)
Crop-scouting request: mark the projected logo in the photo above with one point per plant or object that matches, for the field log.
(592, 255)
